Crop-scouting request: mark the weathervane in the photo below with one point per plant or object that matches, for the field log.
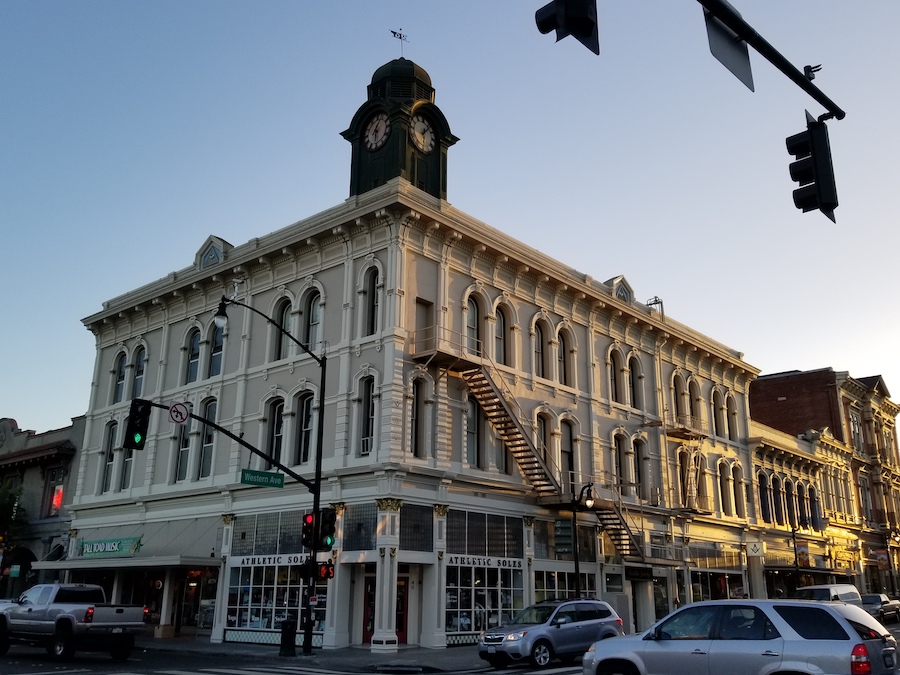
(400, 36)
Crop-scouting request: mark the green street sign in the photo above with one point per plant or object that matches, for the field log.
(264, 478)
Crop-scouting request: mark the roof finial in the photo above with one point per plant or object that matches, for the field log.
(400, 36)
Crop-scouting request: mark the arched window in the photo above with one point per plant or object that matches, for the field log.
(641, 477)
(803, 519)
(635, 375)
(690, 470)
(682, 407)
(562, 360)
(304, 408)
(119, 384)
(312, 324)
(284, 322)
(694, 403)
(109, 457)
(622, 468)
(765, 498)
(778, 499)
(790, 501)
(210, 408)
(567, 456)
(740, 497)
(815, 508)
(137, 387)
(182, 459)
(366, 415)
(417, 419)
(718, 420)
(370, 289)
(275, 431)
(192, 368)
(731, 418)
(543, 437)
(501, 337)
(474, 435)
(539, 365)
(473, 327)
(217, 346)
(616, 377)
(725, 491)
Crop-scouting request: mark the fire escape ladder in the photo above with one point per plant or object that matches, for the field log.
(614, 524)
(499, 410)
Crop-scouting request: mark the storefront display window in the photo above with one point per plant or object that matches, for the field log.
(549, 585)
(481, 597)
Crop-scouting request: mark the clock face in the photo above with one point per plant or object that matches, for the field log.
(422, 133)
(377, 131)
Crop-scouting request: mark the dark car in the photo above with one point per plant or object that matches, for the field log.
(752, 637)
(881, 606)
(561, 629)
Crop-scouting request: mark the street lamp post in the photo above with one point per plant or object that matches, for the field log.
(576, 504)
(221, 319)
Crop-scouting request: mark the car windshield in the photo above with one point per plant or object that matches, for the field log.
(871, 599)
(811, 594)
(533, 615)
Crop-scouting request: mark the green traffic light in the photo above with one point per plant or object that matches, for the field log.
(137, 438)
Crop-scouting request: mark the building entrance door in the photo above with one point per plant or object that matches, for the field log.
(369, 611)
(402, 608)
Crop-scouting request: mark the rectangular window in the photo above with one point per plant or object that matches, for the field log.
(367, 416)
(209, 439)
(54, 492)
(416, 528)
(359, 522)
(184, 450)
(127, 461)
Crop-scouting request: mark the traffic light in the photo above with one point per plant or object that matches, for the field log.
(326, 570)
(571, 17)
(327, 521)
(137, 424)
(308, 533)
(813, 169)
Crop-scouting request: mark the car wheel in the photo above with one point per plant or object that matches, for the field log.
(541, 654)
(61, 647)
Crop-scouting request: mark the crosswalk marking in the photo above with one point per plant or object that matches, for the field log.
(289, 670)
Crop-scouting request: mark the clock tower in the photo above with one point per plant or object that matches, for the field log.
(399, 132)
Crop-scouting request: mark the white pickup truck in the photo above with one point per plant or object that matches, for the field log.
(66, 617)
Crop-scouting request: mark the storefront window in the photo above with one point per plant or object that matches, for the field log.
(483, 596)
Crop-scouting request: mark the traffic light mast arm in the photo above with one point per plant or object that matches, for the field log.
(300, 479)
(726, 14)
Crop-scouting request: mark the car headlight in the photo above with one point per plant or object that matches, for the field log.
(512, 637)
(591, 648)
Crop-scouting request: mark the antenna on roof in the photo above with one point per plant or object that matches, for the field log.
(400, 36)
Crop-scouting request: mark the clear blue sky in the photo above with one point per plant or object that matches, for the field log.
(132, 130)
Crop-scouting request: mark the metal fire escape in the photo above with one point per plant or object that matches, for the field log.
(444, 349)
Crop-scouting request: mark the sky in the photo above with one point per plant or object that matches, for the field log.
(132, 130)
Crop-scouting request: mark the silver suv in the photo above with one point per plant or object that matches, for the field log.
(553, 628)
(752, 637)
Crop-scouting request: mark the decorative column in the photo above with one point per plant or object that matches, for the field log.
(384, 637)
(434, 578)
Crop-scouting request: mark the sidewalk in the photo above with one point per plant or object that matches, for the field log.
(357, 659)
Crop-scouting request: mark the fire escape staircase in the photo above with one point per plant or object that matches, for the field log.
(612, 520)
(506, 423)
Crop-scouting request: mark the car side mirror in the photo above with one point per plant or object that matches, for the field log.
(652, 634)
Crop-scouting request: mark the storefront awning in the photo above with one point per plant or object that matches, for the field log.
(189, 542)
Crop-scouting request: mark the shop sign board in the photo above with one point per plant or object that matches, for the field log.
(122, 547)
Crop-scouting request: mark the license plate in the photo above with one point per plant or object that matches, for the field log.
(116, 630)
(492, 650)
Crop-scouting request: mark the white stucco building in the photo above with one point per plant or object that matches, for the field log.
(475, 389)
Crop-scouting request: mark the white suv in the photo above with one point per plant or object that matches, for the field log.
(553, 628)
(752, 637)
